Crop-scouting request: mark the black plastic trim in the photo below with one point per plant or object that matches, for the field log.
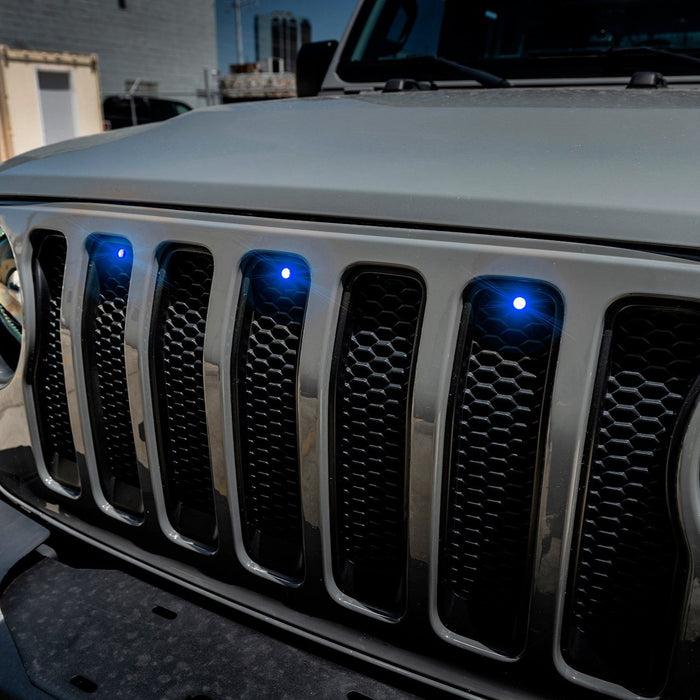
(497, 422)
(264, 381)
(376, 579)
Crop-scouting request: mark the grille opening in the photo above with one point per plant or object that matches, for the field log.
(177, 349)
(629, 566)
(104, 322)
(48, 379)
(371, 388)
(497, 421)
(264, 370)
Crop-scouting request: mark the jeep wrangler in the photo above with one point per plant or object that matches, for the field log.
(387, 390)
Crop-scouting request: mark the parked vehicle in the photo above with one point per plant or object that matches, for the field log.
(407, 369)
(130, 110)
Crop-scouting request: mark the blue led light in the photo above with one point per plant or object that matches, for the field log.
(121, 253)
(286, 273)
(519, 303)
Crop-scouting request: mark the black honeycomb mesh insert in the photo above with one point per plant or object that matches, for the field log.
(179, 323)
(373, 374)
(626, 587)
(499, 403)
(265, 366)
(104, 320)
(49, 385)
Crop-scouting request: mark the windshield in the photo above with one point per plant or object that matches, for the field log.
(522, 38)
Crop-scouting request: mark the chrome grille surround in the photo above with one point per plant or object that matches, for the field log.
(590, 278)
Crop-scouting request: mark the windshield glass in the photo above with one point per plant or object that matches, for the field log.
(522, 38)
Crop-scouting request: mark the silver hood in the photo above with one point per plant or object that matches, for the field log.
(606, 164)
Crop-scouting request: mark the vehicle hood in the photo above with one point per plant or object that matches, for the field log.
(608, 164)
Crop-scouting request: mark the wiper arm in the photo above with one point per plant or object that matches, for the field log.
(488, 80)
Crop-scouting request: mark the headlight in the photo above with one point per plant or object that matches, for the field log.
(10, 310)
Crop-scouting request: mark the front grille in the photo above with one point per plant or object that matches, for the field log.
(377, 339)
(414, 448)
(499, 406)
(270, 316)
(627, 587)
(104, 319)
(177, 348)
(48, 380)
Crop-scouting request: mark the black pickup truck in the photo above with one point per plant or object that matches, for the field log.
(387, 391)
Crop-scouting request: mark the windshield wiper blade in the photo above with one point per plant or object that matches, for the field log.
(484, 78)
(678, 55)
(612, 51)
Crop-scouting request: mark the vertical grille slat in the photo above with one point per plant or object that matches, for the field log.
(499, 404)
(626, 586)
(264, 369)
(177, 342)
(104, 318)
(373, 376)
(49, 387)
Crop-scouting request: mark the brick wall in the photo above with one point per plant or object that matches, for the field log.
(169, 42)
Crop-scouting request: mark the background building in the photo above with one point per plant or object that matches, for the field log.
(278, 37)
(328, 18)
(164, 44)
(46, 97)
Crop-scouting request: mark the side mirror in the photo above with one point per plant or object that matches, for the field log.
(312, 65)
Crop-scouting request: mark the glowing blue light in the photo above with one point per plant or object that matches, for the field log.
(519, 303)
(286, 273)
(121, 253)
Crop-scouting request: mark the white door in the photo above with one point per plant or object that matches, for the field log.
(56, 99)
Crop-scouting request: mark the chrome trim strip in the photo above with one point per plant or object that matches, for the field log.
(74, 277)
(574, 377)
(137, 318)
(225, 414)
(688, 494)
(431, 388)
(312, 404)
(335, 289)
(15, 409)
(215, 359)
(688, 491)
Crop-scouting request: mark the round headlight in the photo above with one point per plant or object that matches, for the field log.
(10, 309)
